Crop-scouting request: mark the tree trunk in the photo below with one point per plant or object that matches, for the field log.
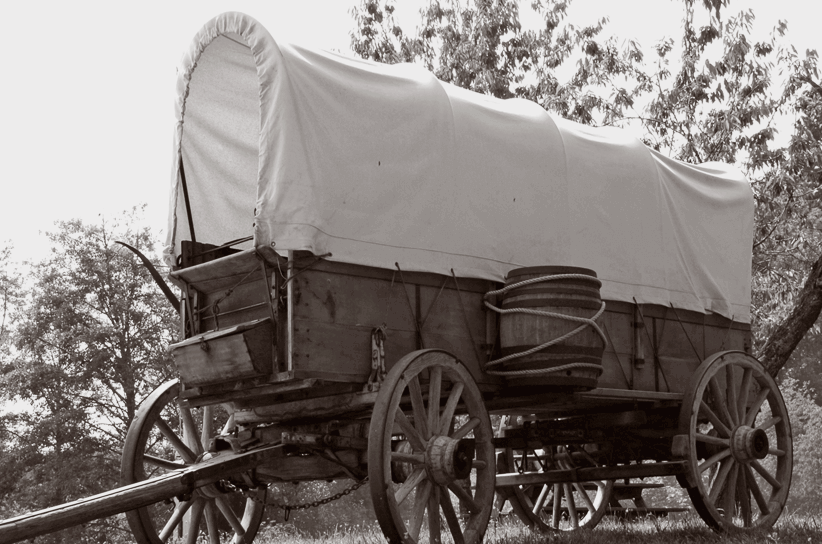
(786, 336)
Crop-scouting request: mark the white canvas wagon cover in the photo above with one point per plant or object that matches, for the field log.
(377, 164)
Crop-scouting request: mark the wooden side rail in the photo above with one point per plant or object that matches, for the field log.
(592, 473)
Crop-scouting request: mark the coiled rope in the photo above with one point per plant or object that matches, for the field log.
(585, 322)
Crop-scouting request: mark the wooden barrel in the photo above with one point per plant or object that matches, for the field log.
(519, 332)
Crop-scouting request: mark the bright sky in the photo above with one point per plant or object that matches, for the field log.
(86, 101)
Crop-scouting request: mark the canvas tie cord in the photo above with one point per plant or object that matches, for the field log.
(585, 322)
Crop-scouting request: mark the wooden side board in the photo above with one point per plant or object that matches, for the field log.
(653, 348)
(338, 306)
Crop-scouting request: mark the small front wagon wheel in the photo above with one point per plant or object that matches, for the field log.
(736, 438)
(431, 464)
(165, 436)
(565, 506)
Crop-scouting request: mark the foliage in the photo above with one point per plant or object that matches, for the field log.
(349, 512)
(806, 420)
(90, 343)
(10, 285)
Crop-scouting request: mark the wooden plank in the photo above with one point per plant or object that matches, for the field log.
(225, 271)
(417, 278)
(591, 473)
(327, 350)
(333, 405)
(247, 301)
(623, 394)
(198, 398)
(353, 300)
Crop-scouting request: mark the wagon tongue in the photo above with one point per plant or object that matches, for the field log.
(137, 495)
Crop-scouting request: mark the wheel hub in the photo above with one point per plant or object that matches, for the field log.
(447, 459)
(748, 444)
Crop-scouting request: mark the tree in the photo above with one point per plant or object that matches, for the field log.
(90, 343)
(9, 296)
(696, 108)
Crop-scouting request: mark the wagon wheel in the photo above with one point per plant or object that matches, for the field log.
(565, 506)
(737, 443)
(165, 436)
(442, 465)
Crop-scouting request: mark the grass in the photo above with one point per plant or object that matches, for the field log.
(688, 530)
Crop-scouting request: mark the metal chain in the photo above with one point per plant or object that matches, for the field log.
(287, 508)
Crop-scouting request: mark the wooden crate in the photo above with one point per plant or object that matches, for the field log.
(236, 353)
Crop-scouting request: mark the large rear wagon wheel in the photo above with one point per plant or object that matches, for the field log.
(736, 438)
(165, 436)
(431, 465)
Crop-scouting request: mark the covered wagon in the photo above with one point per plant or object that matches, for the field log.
(372, 261)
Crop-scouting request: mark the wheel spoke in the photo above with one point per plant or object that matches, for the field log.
(190, 434)
(720, 402)
(411, 433)
(585, 498)
(184, 451)
(225, 510)
(719, 482)
(743, 392)
(556, 513)
(205, 432)
(415, 478)
(775, 451)
(708, 439)
(412, 458)
(434, 532)
(469, 426)
(434, 392)
(451, 517)
(543, 494)
(757, 404)
(714, 419)
(729, 495)
(755, 491)
(162, 463)
(211, 523)
(176, 517)
(767, 424)
(420, 504)
(194, 527)
(766, 475)
(730, 387)
(450, 408)
(229, 424)
(418, 407)
(713, 459)
(464, 497)
(743, 496)
(478, 464)
(572, 507)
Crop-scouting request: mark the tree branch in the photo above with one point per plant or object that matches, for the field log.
(787, 335)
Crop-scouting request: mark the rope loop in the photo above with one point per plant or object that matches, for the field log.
(584, 322)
